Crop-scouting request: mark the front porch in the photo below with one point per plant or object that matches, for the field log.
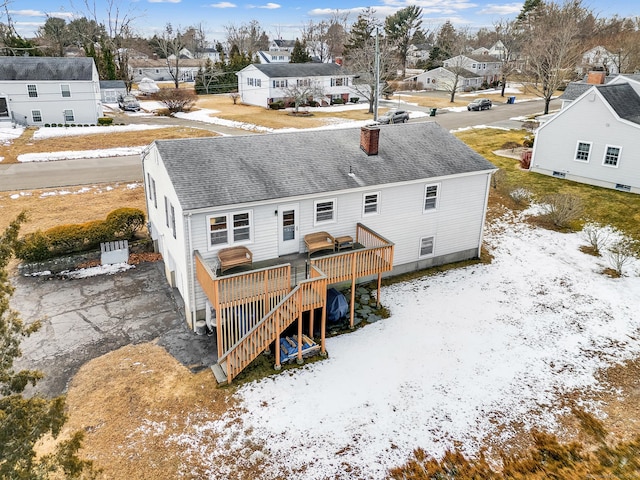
(256, 304)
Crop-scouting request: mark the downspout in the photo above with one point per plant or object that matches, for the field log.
(192, 288)
(484, 214)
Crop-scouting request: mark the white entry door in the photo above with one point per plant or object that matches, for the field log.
(288, 239)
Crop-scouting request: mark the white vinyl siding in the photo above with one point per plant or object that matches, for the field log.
(229, 228)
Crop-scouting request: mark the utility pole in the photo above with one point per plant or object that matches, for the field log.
(377, 80)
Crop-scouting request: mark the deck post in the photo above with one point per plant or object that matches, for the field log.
(353, 291)
(378, 294)
(323, 327)
(300, 342)
(277, 366)
(218, 319)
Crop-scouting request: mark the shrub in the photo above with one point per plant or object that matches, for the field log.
(34, 247)
(47, 124)
(520, 196)
(354, 99)
(96, 232)
(596, 236)
(65, 239)
(562, 209)
(176, 99)
(279, 105)
(125, 222)
(105, 121)
(510, 145)
(620, 254)
(528, 142)
(337, 101)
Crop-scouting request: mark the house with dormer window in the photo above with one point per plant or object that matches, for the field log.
(46, 90)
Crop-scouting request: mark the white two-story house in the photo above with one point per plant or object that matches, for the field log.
(262, 84)
(484, 66)
(46, 90)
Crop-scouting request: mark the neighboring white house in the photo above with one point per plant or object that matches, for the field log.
(41, 90)
(280, 45)
(274, 56)
(598, 58)
(442, 78)
(575, 89)
(110, 90)
(417, 185)
(595, 139)
(485, 66)
(262, 84)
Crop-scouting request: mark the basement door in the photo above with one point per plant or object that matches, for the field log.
(288, 238)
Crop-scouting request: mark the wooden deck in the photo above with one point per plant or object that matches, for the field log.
(255, 306)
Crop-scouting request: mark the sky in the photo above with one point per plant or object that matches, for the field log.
(279, 18)
(463, 351)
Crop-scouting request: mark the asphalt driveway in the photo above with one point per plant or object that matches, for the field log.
(85, 318)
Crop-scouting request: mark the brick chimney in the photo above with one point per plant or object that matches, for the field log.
(596, 78)
(369, 137)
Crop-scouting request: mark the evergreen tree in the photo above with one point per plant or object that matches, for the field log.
(299, 53)
(400, 29)
(26, 420)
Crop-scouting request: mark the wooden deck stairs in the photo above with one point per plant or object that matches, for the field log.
(253, 309)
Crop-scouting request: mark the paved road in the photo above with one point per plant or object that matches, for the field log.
(63, 173)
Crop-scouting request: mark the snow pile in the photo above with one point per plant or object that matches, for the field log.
(75, 154)
(50, 132)
(463, 352)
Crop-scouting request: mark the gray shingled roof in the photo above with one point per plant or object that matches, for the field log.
(574, 90)
(220, 171)
(276, 70)
(104, 84)
(623, 99)
(46, 68)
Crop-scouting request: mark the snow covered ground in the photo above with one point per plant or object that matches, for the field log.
(462, 352)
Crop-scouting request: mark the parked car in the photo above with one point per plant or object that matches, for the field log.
(394, 116)
(480, 104)
(128, 102)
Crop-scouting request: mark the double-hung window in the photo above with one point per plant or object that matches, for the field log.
(303, 82)
(230, 228)
(36, 115)
(371, 203)
(32, 90)
(426, 246)
(280, 84)
(582, 151)
(612, 156)
(65, 91)
(431, 197)
(172, 219)
(68, 115)
(325, 211)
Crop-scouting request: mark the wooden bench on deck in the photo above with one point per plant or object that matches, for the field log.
(234, 257)
(319, 241)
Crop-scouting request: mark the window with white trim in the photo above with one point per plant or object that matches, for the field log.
(218, 230)
(325, 211)
(370, 203)
(340, 82)
(32, 90)
(426, 246)
(303, 82)
(166, 211)
(36, 115)
(611, 156)
(582, 151)
(431, 197)
(172, 219)
(230, 228)
(153, 190)
(280, 84)
(68, 115)
(65, 91)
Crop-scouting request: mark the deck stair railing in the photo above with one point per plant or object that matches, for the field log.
(254, 308)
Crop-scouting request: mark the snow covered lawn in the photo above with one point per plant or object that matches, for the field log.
(463, 352)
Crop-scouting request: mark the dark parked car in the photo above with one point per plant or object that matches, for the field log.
(128, 102)
(480, 104)
(394, 116)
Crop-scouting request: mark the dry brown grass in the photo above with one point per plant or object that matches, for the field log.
(52, 207)
(110, 139)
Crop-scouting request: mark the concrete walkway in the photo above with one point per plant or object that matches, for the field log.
(83, 319)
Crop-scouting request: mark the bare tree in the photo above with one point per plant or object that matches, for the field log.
(303, 91)
(171, 43)
(621, 37)
(315, 35)
(510, 35)
(621, 253)
(248, 37)
(552, 45)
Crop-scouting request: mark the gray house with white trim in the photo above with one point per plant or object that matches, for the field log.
(41, 90)
(595, 139)
(417, 185)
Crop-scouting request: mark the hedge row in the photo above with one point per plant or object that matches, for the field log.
(120, 224)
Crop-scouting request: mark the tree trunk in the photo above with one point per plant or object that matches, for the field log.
(547, 100)
(504, 85)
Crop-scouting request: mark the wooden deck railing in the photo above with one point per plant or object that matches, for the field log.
(307, 295)
(254, 308)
